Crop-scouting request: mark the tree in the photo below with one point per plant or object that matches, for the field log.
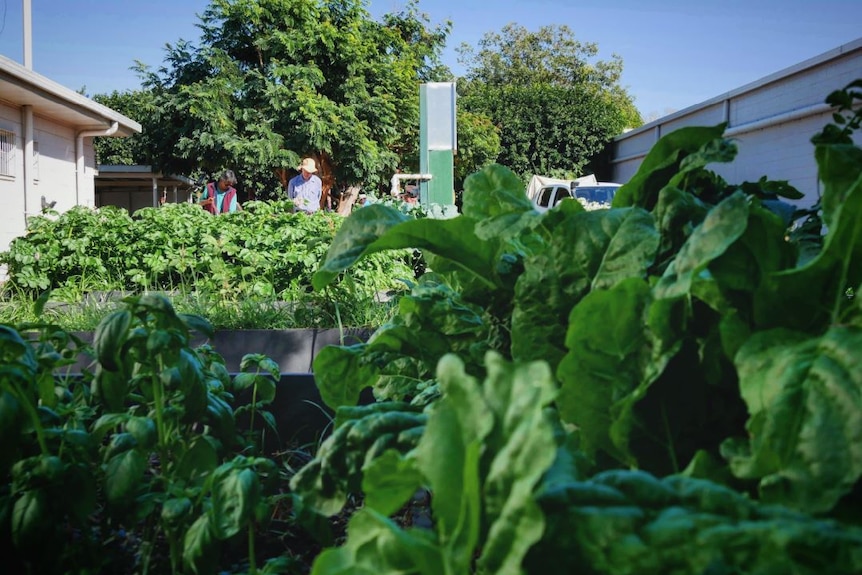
(478, 144)
(555, 104)
(136, 149)
(276, 80)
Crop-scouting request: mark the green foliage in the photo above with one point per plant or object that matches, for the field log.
(625, 521)
(555, 105)
(235, 263)
(485, 447)
(478, 144)
(137, 148)
(272, 81)
(146, 442)
(547, 129)
(653, 316)
(362, 435)
(670, 385)
(550, 55)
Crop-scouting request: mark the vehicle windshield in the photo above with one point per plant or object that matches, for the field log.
(599, 194)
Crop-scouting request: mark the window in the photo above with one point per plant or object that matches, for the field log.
(562, 195)
(545, 196)
(7, 153)
(602, 195)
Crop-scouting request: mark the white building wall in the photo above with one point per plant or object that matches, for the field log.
(53, 173)
(56, 177)
(772, 121)
(12, 204)
(780, 152)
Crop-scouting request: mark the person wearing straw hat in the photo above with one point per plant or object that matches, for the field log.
(305, 188)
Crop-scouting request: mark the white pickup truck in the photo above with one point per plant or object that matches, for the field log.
(552, 194)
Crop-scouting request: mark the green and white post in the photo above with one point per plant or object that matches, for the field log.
(438, 142)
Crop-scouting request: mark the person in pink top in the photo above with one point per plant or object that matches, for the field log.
(219, 197)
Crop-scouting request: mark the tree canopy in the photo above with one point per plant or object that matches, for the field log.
(271, 81)
(555, 104)
(137, 149)
(275, 80)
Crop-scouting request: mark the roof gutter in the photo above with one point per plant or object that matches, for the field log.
(79, 155)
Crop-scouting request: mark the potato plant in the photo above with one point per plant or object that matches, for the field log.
(265, 253)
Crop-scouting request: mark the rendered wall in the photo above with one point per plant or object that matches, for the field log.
(12, 186)
(53, 173)
(772, 121)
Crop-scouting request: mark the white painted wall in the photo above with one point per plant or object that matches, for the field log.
(55, 177)
(772, 121)
(12, 187)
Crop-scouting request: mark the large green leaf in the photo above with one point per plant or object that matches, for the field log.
(354, 236)
(389, 481)
(432, 321)
(124, 474)
(200, 547)
(522, 447)
(31, 518)
(340, 374)
(816, 291)
(109, 337)
(483, 451)
(235, 494)
(613, 358)
(198, 461)
(840, 168)
(111, 387)
(448, 455)
(382, 228)
(664, 162)
(762, 249)
(723, 225)
(676, 213)
(495, 198)
(804, 396)
(586, 251)
(376, 545)
(626, 522)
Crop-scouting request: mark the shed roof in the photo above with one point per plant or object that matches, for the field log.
(116, 176)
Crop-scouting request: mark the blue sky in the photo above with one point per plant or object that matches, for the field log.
(676, 53)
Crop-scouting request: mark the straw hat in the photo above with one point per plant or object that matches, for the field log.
(308, 165)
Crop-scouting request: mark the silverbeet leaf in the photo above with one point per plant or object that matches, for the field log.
(804, 397)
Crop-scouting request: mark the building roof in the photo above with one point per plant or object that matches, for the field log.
(21, 86)
(116, 176)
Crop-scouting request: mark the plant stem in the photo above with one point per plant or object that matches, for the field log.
(840, 295)
(34, 417)
(669, 435)
(175, 553)
(253, 407)
(252, 564)
(158, 399)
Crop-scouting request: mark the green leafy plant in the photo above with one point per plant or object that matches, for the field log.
(688, 332)
(484, 448)
(251, 269)
(148, 440)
